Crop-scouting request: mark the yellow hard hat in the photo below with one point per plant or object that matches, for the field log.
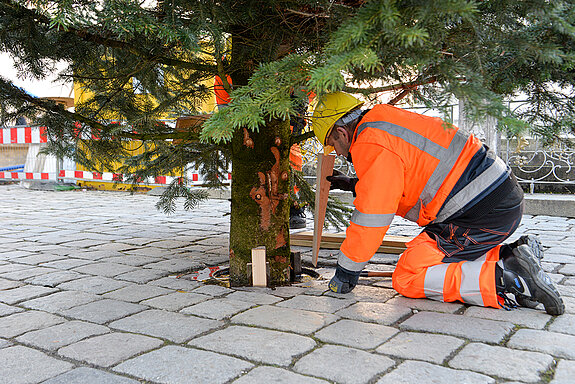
(329, 109)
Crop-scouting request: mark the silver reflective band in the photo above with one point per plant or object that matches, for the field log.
(371, 219)
(349, 264)
(489, 176)
(446, 156)
(348, 117)
(434, 278)
(469, 289)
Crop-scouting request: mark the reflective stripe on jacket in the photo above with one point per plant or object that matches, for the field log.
(407, 164)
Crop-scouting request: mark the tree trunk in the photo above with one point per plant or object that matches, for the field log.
(260, 201)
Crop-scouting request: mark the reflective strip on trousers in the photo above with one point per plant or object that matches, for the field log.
(446, 156)
(469, 289)
(371, 219)
(349, 264)
(489, 176)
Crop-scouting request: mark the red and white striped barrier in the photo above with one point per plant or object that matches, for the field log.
(95, 176)
(23, 135)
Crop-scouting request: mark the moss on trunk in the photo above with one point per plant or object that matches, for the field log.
(260, 201)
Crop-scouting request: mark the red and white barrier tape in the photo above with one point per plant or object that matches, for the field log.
(23, 135)
(95, 176)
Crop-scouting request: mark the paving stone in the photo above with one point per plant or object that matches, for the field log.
(254, 297)
(82, 243)
(568, 269)
(175, 301)
(116, 246)
(426, 305)
(182, 285)
(417, 372)
(175, 265)
(556, 344)
(55, 278)
(4, 343)
(367, 294)
(421, 346)
(15, 371)
(26, 292)
(502, 362)
(103, 311)
(36, 259)
(135, 293)
(565, 290)
(95, 284)
(178, 365)
(213, 290)
(316, 303)
(60, 335)
(285, 319)
(564, 373)
(488, 331)
(142, 275)
(520, 316)
(276, 375)
(356, 334)
(175, 327)
(9, 284)
(381, 313)
(87, 375)
(262, 345)
(6, 309)
(68, 263)
(104, 269)
(343, 365)
(27, 273)
(22, 322)
(60, 301)
(563, 324)
(7, 268)
(109, 349)
(217, 309)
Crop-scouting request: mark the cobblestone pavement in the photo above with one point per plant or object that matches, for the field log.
(89, 294)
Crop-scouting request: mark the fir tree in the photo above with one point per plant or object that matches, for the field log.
(142, 63)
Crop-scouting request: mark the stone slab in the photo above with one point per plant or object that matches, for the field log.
(254, 297)
(285, 319)
(60, 301)
(213, 290)
(356, 334)
(14, 371)
(103, 311)
(488, 331)
(96, 284)
(425, 304)
(316, 303)
(178, 365)
(563, 324)
(142, 275)
(524, 317)
(53, 279)
(22, 322)
(277, 376)
(60, 335)
(136, 292)
(502, 362)
(9, 284)
(218, 309)
(175, 301)
(564, 373)
(421, 346)
(381, 313)
(26, 292)
(85, 375)
(175, 327)
(261, 345)
(417, 372)
(109, 349)
(367, 294)
(556, 344)
(340, 364)
(6, 309)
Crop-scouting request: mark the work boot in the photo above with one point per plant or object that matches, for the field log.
(519, 272)
(296, 218)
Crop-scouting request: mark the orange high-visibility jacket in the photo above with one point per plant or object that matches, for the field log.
(407, 164)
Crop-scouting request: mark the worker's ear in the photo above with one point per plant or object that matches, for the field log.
(343, 133)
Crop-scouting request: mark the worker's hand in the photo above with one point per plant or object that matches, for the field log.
(340, 181)
(344, 280)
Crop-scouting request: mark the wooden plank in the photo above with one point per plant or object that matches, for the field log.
(391, 241)
(259, 276)
(324, 169)
(336, 245)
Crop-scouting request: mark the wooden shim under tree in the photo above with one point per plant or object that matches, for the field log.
(259, 275)
(390, 244)
(324, 168)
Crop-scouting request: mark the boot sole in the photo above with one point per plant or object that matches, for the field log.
(545, 292)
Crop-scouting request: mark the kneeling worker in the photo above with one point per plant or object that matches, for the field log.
(465, 198)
